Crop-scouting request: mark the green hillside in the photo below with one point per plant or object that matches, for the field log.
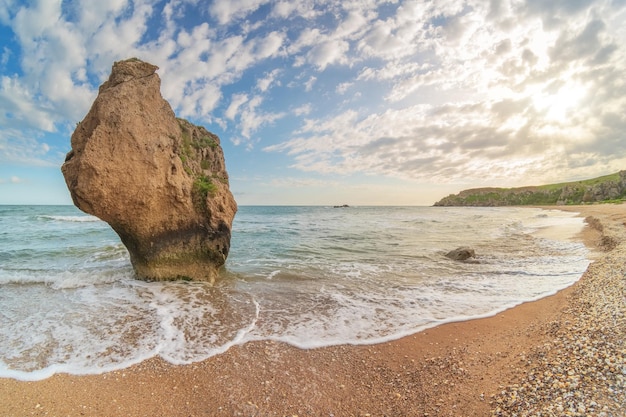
(608, 188)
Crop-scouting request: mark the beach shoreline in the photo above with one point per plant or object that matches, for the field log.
(470, 368)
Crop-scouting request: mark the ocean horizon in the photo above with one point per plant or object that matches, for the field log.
(310, 276)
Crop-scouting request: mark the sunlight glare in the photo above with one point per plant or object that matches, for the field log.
(556, 106)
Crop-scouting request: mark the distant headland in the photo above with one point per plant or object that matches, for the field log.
(608, 188)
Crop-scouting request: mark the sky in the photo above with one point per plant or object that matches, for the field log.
(323, 102)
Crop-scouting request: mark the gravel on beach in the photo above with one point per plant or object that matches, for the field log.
(581, 371)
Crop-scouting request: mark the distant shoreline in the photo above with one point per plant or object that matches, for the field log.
(608, 188)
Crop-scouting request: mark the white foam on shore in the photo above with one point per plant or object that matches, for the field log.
(558, 225)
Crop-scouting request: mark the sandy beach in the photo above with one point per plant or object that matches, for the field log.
(562, 355)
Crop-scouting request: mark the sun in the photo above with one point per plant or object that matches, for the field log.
(557, 104)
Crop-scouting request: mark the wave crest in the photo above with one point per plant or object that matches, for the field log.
(73, 219)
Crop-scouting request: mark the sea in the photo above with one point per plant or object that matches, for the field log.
(306, 276)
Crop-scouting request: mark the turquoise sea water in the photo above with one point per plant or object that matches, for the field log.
(308, 276)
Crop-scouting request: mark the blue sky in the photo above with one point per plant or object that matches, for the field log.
(331, 102)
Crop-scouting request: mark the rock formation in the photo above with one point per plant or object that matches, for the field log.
(160, 182)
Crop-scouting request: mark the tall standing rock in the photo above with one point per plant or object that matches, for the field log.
(160, 182)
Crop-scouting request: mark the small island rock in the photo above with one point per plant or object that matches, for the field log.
(160, 182)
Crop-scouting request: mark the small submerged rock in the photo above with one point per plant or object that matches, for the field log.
(461, 254)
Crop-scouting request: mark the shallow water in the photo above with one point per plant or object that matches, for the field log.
(308, 276)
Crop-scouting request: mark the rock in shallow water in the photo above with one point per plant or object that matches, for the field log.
(160, 182)
(461, 254)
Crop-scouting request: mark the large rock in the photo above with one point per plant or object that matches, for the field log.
(160, 182)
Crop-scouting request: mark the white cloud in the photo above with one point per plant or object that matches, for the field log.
(19, 109)
(303, 8)
(236, 140)
(227, 10)
(251, 118)
(327, 53)
(268, 46)
(21, 147)
(199, 100)
(270, 78)
(328, 46)
(352, 24)
(13, 180)
(205, 58)
(236, 101)
(343, 87)
(6, 55)
(303, 110)
(308, 37)
(308, 86)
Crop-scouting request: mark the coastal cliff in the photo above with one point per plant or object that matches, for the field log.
(160, 182)
(601, 189)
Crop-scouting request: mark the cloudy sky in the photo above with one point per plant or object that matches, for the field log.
(328, 102)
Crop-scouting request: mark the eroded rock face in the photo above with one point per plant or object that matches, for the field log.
(160, 182)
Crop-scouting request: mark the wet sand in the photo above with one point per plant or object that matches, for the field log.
(480, 367)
